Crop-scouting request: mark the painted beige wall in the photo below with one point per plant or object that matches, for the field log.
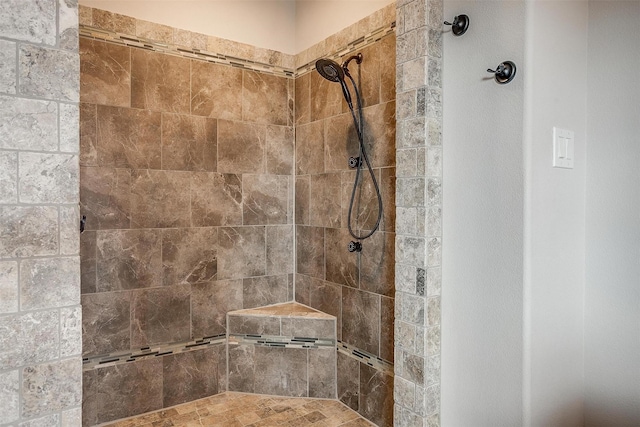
(264, 23)
(318, 19)
(288, 26)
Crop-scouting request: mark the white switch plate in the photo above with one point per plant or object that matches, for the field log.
(563, 148)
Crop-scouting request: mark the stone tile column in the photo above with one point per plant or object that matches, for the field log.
(418, 212)
(40, 325)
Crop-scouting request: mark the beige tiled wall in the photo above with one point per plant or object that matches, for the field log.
(40, 316)
(186, 182)
(356, 288)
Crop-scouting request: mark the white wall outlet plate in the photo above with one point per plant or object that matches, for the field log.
(563, 148)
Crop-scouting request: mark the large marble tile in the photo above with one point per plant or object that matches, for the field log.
(105, 73)
(388, 190)
(210, 303)
(160, 315)
(327, 97)
(342, 266)
(160, 82)
(241, 147)
(303, 99)
(281, 371)
(28, 231)
(48, 73)
(376, 396)
(17, 21)
(325, 206)
(348, 385)
(377, 264)
(361, 319)
(106, 322)
(189, 255)
(387, 319)
(34, 124)
(159, 199)
(326, 297)
(386, 51)
(241, 252)
(265, 98)
(216, 90)
(105, 198)
(310, 148)
(189, 143)
(267, 290)
(189, 376)
(128, 259)
(242, 371)
(113, 392)
(216, 199)
(88, 135)
(380, 134)
(279, 249)
(303, 200)
(341, 142)
(49, 283)
(280, 150)
(322, 373)
(51, 387)
(128, 138)
(265, 199)
(88, 264)
(367, 75)
(310, 243)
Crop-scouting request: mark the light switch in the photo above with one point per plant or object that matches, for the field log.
(563, 148)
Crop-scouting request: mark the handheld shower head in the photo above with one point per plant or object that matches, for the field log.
(330, 70)
(333, 72)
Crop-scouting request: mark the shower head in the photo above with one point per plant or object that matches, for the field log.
(333, 72)
(330, 70)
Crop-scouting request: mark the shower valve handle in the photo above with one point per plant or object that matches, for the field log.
(355, 162)
(355, 246)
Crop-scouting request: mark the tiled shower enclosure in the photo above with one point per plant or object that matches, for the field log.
(191, 181)
(206, 167)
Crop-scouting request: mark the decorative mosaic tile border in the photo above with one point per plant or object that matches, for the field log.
(283, 342)
(374, 361)
(89, 363)
(351, 47)
(175, 50)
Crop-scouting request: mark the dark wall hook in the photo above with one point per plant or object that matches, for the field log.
(460, 24)
(504, 73)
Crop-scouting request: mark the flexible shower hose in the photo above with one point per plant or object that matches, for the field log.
(362, 155)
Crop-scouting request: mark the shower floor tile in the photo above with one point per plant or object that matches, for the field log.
(233, 409)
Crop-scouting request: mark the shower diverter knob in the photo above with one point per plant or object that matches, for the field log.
(355, 246)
